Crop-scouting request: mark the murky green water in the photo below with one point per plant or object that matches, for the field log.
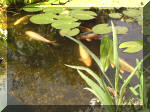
(36, 70)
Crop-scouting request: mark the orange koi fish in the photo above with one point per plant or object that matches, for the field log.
(22, 19)
(124, 66)
(36, 36)
(85, 57)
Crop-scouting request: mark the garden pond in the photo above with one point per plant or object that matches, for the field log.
(36, 71)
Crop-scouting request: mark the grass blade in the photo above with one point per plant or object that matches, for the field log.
(133, 90)
(122, 90)
(105, 99)
(116, 59)
(96, 59)
(95, 76)
(98, 79)
(109, 108)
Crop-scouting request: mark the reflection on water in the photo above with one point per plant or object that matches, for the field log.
(36, 70)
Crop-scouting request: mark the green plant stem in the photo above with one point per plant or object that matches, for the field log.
(116, 61)
(133, 90)
(96, 59)
(122, 90)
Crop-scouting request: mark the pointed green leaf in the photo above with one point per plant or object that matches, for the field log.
(95, 76)
(95, 58)
(106, 52)
(105, 99)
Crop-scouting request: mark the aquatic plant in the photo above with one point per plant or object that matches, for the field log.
(10, 2)
(67, 19)
(64, 19)
(132, 46)
(100, 88)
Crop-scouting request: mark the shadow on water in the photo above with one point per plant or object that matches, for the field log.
(36, 70)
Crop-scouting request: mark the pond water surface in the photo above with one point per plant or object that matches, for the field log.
(36, 71)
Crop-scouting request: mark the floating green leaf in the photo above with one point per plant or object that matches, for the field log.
(106, 52)
(102, 29)
(115, 15)
(79, 8)
(132, 46)
(32, 8)
(83, 15)
(129, 20)
(131, 12)
(109, 8)
(65, 24)
(56, 2)
(37, 6)
(139, 19)
(54, 10)
(121, 29)
(69, 32)
(64, 17)
(42, 18)
(63, 1)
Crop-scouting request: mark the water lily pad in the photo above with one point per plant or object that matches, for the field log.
(121, 29)
(37, 6)
(56, 2)
(109, 8)
(83, 15)
(63, 1)
(115, 15)
(139, 19)
(79, 8)
(69, 32)
(54, 10)
(102, 29)
(42, 18)
(64, 17)
(130, 20)
(32, 8)
(132, 46)
(65, 24)
(131, 12)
